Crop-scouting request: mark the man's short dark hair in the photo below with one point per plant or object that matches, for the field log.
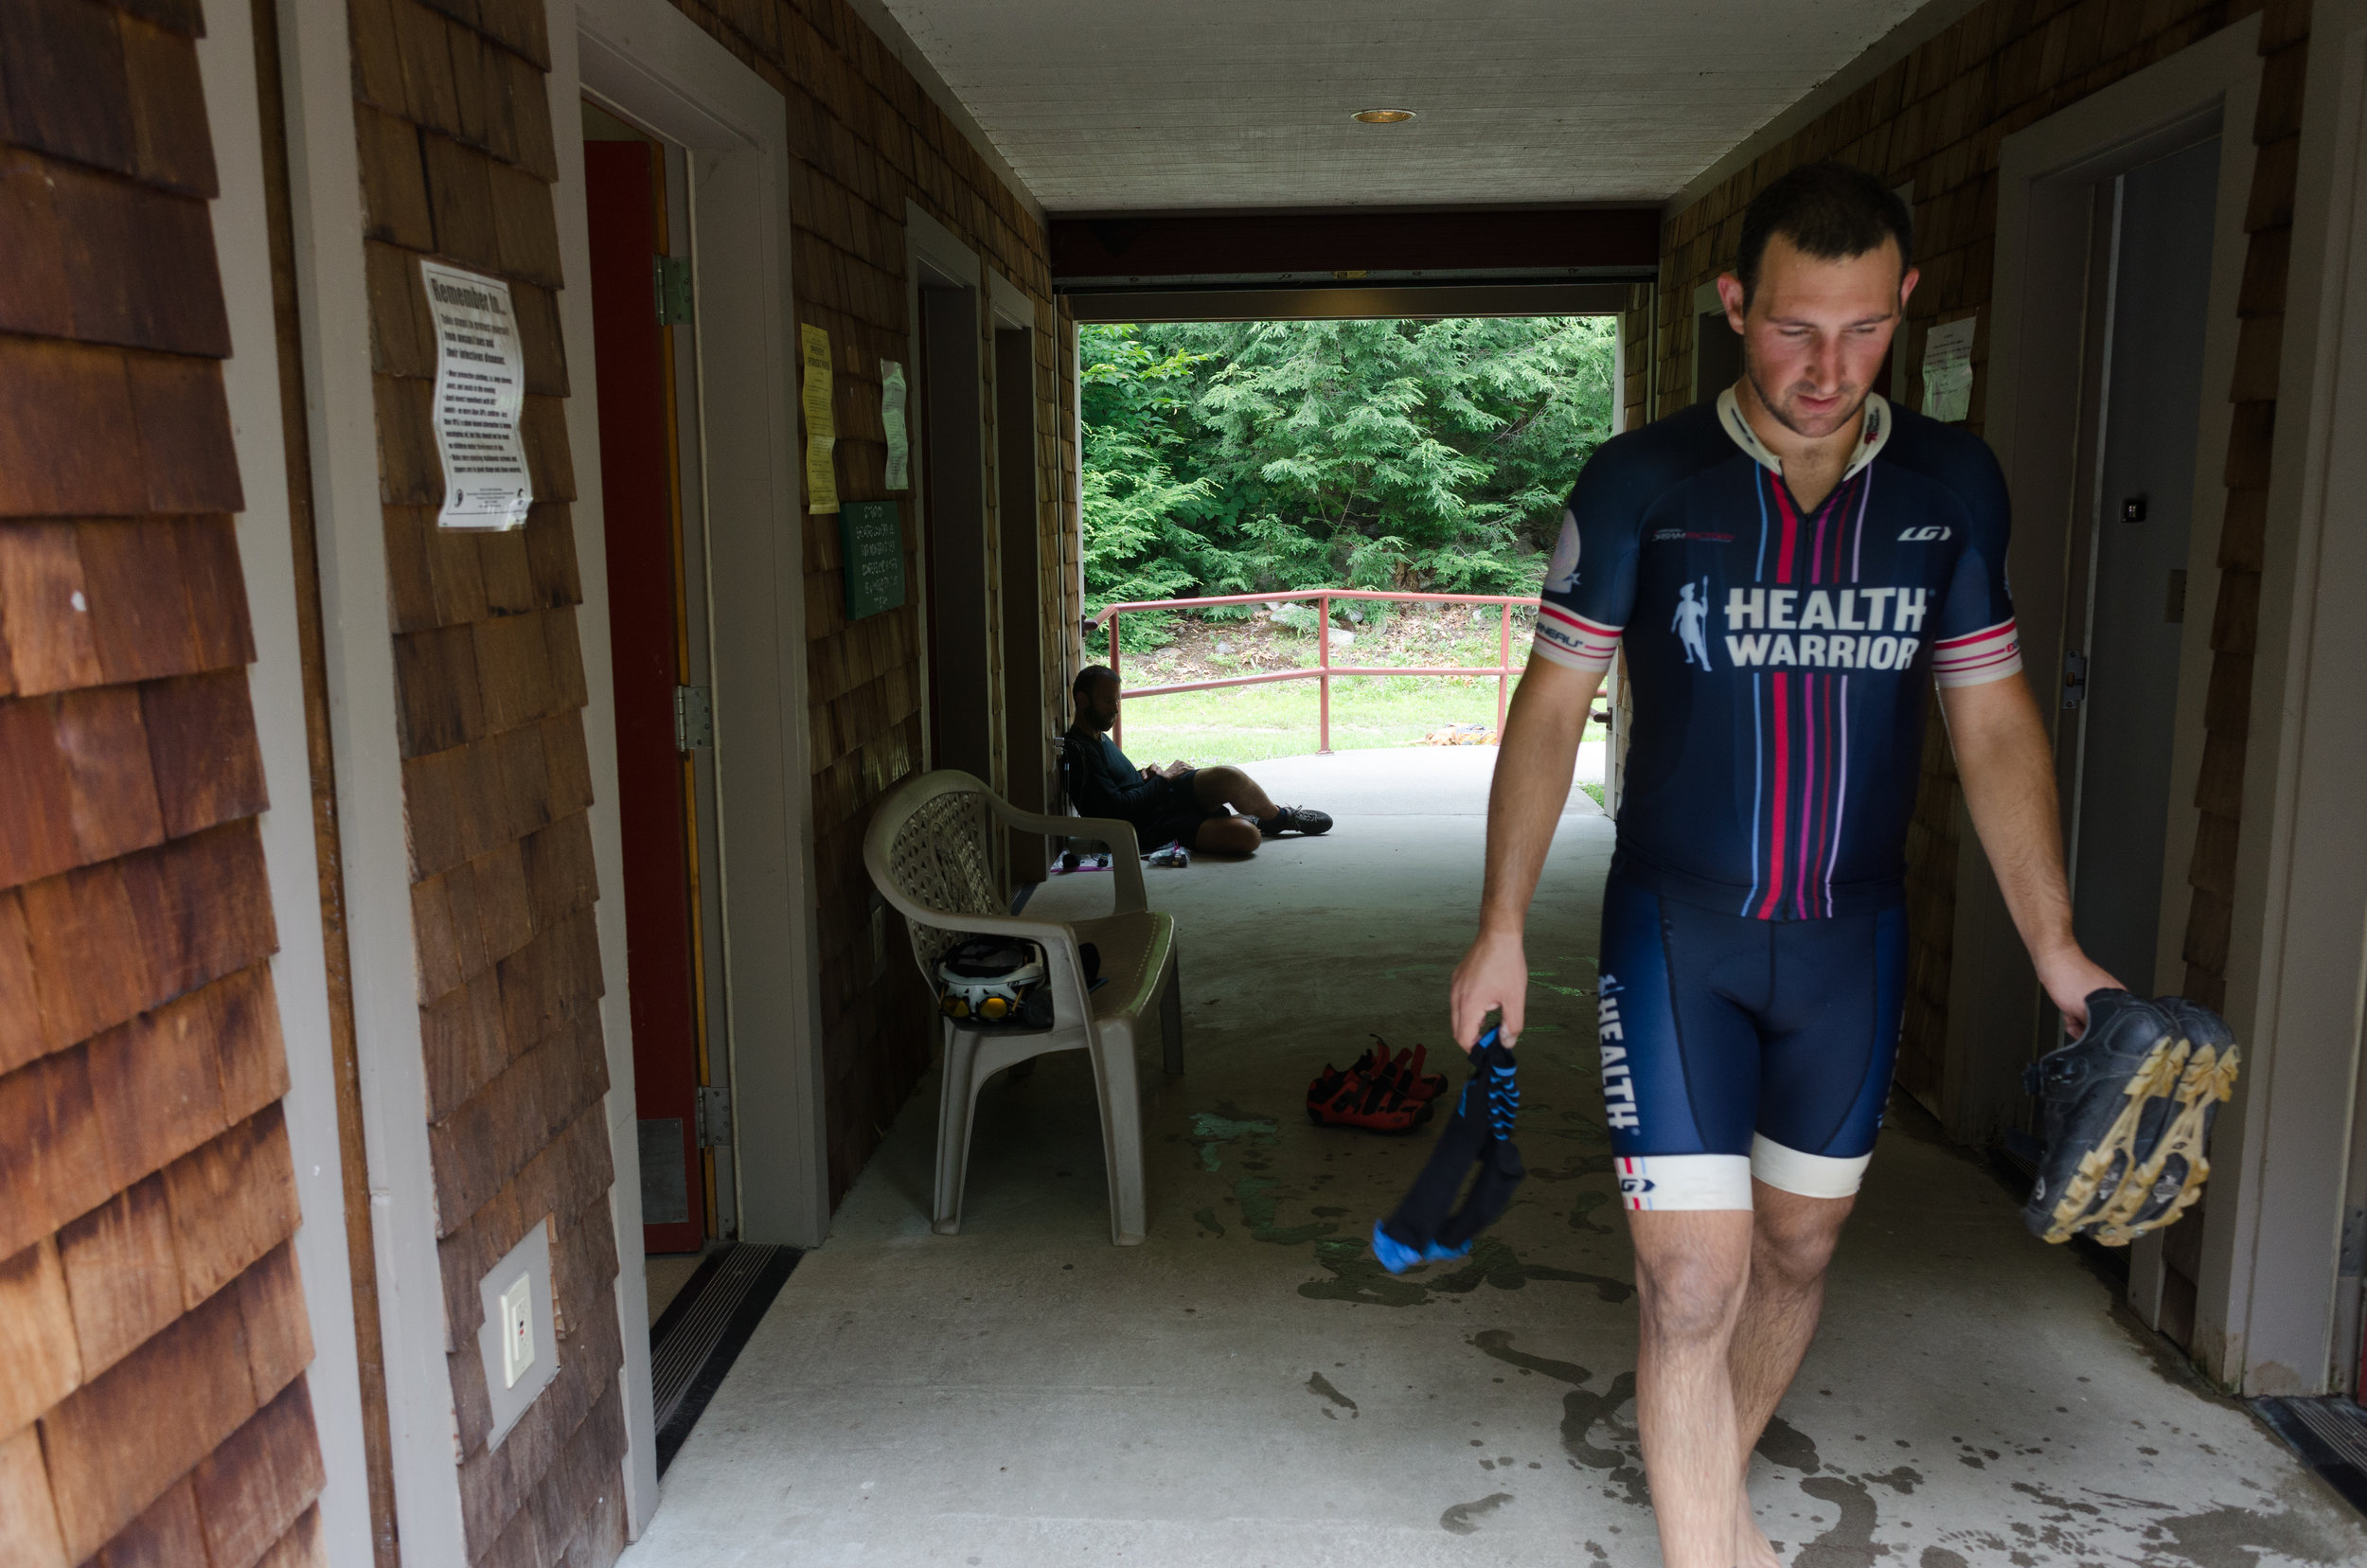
(1829, 211)
(1087, 678)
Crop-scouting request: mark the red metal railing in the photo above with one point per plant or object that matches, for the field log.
(1324, 669)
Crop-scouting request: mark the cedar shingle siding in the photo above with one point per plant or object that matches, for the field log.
(1937, 118)
(152, 1334)
(454, 127)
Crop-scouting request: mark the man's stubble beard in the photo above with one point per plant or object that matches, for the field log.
(1775, 408)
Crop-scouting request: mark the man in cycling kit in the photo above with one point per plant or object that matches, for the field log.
(1789, 570)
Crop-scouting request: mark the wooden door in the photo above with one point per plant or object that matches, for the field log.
(637, 485)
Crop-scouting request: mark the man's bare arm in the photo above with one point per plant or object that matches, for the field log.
(1534, 763)
(2009, 774)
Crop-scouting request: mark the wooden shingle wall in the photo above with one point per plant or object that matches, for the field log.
(453, 125)
(1938, 118)
(1635, 357)
(864, 138)
(153, 1406)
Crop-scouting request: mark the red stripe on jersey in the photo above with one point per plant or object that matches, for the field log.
(2001, 628)
(1809, 803)
(1560, 614)
(1782, 685)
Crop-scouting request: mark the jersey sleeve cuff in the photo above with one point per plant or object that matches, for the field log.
(1545, 648)
(1978, 657)
(1573, 640)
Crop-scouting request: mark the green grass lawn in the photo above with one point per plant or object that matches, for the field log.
(1250, 724)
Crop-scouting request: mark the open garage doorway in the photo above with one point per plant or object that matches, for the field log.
(1336, 480)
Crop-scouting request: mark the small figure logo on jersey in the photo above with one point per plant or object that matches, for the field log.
(1693, 612)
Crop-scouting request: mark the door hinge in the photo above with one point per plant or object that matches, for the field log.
(2074, 679)
(714, 1117)
(673, 289)
(694, 718)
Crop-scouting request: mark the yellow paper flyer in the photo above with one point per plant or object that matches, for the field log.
(820, 431)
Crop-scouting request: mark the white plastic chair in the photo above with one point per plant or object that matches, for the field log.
(927, 852)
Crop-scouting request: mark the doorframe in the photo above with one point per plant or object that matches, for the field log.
(333, 311)
(2271, 1296)
(665, 72)
(251, 385)
(2281, 1315)
(1997, 1016)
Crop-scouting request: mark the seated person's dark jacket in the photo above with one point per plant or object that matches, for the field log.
(1102, 783)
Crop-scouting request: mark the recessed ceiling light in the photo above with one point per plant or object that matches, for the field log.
(1383, 116)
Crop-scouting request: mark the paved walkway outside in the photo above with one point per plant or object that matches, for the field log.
(1248, 1388)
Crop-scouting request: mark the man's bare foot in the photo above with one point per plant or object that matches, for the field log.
(1752, 1547)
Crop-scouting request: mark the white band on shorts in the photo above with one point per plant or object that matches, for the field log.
(1684, 1182)
(1808, 1175)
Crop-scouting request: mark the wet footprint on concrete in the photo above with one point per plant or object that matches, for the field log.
(1462, 1518)
(1582, 1411)
(1321, 1387)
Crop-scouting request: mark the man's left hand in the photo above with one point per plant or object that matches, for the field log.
(2070, 978)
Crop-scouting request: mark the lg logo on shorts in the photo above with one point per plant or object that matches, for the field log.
(1923, 535)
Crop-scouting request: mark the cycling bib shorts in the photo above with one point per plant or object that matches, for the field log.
(1736, 1047)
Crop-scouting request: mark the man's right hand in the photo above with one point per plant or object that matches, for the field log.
(1494, 975)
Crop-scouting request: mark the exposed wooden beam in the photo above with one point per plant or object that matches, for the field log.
(1353, 304)
(1607, 245)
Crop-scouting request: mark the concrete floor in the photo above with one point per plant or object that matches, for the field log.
(1248, 1388)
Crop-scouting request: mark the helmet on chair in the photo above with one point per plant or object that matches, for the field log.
(991, 980)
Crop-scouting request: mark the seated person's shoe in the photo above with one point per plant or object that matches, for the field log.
(1295, 819)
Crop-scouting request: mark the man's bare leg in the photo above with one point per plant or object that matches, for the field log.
(1230, 786)
(1691, 1271)
(1791, 1242)
(1233, 835)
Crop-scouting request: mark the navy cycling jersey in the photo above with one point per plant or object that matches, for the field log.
(1780, 656)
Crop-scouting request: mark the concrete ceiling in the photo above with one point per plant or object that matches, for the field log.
(1118, 105)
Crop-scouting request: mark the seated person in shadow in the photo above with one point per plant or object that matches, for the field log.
(1176, 802)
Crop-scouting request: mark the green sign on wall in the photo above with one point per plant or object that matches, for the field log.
(871, 545)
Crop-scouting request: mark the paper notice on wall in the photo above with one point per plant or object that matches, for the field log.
(899, 442)
(1948, 370)
(480, 393)
(821, 427)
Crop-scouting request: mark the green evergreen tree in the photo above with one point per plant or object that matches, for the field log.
(1244, 457)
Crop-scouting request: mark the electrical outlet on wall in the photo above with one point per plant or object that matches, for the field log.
(517, 1322)
(518, 1343)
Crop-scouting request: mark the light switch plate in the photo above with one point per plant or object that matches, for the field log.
(517, 1330)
